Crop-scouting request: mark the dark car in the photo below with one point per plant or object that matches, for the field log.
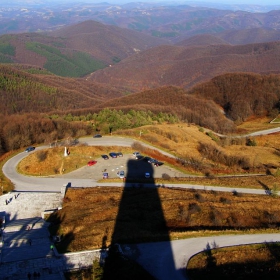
(29, 149)
(139, 157)
(119, 154)
(97, 136)
(113, 155)
(152, 160)
(105, 157)
(147, 159)
(105, 175)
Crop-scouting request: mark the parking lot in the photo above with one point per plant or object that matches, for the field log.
(132, 168)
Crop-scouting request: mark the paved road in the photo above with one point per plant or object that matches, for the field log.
(83, 177)
(54, 183)
(168, 260)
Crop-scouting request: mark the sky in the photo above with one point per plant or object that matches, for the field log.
(231, 2)
(255, 2)
(252, 2)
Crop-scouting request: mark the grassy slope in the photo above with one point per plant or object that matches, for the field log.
(242, 262)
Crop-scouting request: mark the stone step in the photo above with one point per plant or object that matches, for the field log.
(25, 224)
(12, 254)
(25, 234)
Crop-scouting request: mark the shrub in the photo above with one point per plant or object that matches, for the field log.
(41, 155)
(224, 200)
(165, 176)
(137, 146)
(251, 142)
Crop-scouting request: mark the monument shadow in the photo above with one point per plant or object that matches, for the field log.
(140, 219)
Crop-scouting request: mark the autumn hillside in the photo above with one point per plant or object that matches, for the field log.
(242, 95)
(23, 92)
(176, 101)
(186, 66)
(215, 104)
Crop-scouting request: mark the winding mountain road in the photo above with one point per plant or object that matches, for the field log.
(157, 258)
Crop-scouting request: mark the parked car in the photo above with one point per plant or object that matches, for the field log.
(152, 160)
(119, 154)
(113, 155)
(105, 175)
(121, 174)
(97, 136)
(147, 175)
(146, 159)
(92, 162)
(29, 149)
(104, 156)
(136, 154)
(158, 163)
(138, 157)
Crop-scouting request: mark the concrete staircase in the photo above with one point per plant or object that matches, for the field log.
(25, 246)
(20, 205)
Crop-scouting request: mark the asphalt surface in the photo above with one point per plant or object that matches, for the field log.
(168, 260)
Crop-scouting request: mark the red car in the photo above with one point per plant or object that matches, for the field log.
(92, 162)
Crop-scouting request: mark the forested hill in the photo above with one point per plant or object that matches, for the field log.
(175, 101)
(242, 95)
(22, 92)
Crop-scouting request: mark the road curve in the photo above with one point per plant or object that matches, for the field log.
(54, 183)
(156, 257)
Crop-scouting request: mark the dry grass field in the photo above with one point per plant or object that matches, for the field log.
(242, 262)
(92, 217)
(256, 124)
(52, 161)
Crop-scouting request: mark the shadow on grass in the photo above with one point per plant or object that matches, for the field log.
(55, 220)
(265, 187)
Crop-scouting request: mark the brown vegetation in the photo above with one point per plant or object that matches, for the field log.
(19, 131)
(221, 156)
(22, 92)
(243, 95)
(188, 66)
(88, 215)
(242, 262)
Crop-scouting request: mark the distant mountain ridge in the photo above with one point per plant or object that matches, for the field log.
(166, 20)
(186, 66)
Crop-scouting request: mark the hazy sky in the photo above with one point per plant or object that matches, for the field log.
(254, 2)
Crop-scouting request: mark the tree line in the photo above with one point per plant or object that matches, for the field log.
(18, 131)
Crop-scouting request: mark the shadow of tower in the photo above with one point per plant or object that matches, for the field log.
(140, 217)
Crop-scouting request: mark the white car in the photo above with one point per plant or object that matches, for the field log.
(121, 174)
